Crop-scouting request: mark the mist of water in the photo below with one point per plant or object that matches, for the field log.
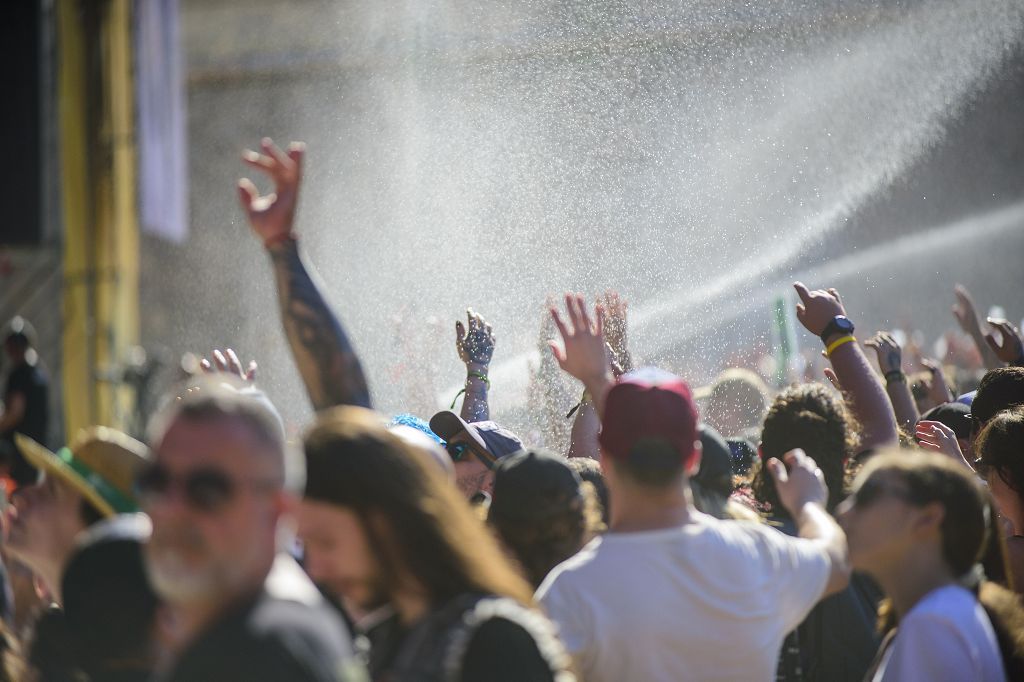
(692, 155)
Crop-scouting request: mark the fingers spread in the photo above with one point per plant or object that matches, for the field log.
(559, 354)
(234, 364)
(559, 324)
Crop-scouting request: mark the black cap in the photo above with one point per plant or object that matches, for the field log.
(715, 463)
(956, 416)
(109, 604)
(533, 485)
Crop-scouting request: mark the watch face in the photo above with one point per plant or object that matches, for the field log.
(844, 324)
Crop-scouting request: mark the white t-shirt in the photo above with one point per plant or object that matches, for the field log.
(947, 636)
(710, 600)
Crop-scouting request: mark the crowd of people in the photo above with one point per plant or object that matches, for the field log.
(853, 528)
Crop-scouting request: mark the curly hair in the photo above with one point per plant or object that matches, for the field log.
(809, 417)
(540, 546)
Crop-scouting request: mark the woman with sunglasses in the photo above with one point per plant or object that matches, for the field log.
(919, 523)
(1000, 461)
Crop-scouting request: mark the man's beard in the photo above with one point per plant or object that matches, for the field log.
(178, 580)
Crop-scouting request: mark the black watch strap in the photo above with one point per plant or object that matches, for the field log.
(838, 325)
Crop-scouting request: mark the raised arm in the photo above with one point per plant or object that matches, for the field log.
(967, 316)
(803, 493)
(583, 351)
(586, 424)
(322, 351)
(817, 311)
(474, 342)
(890, 362)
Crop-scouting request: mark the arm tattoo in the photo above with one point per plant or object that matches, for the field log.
(323, 353)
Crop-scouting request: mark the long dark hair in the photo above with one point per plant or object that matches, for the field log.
(415, 521)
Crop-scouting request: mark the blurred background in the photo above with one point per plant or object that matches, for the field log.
(696, 156)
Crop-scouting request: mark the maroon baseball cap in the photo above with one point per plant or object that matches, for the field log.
(649, 404)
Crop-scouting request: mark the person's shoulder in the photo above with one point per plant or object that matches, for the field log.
(952, 603)
(500, 632)
(290, 603)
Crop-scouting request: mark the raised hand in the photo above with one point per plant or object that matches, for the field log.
(890, 355)
(967, 317)
(938, 391)
(272, 216)
(801, 484)
(475, 346)
(964, 311)
(1010, 347)
(817, 308)
(227, 362)
(325, 358)
(583, 353)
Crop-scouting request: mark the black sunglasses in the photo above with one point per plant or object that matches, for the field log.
(204, 489)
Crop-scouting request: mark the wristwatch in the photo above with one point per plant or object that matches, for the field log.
(840, 325)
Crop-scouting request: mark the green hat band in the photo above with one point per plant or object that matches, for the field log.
(121, 503)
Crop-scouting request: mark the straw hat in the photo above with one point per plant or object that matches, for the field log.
(102, 465)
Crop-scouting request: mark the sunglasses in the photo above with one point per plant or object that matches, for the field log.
(460, 452)
(205, 489)
(982, 468)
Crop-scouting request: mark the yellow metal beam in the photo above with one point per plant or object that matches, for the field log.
(101, 238)
(77, 209)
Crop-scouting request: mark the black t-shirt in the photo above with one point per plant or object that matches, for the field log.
(273, 637)
(474, 638)
(31, 382)
(838, 639)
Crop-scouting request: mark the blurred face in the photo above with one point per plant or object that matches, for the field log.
(1007, 499)
(43, 521)
(878, 523)
(214, 497)
(471, 474)
(338, 556)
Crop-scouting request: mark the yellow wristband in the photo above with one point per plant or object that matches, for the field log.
(838, 342)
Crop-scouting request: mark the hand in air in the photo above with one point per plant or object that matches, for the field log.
(227, 362)
(272, 216)
(583, 352)
(1010, 347)
(475, 340)
(817, 308)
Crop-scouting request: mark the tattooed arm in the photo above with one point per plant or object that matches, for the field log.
(322, 351)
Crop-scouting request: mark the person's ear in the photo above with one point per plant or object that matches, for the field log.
(929, 519)
(285, 504)
(694, 465)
